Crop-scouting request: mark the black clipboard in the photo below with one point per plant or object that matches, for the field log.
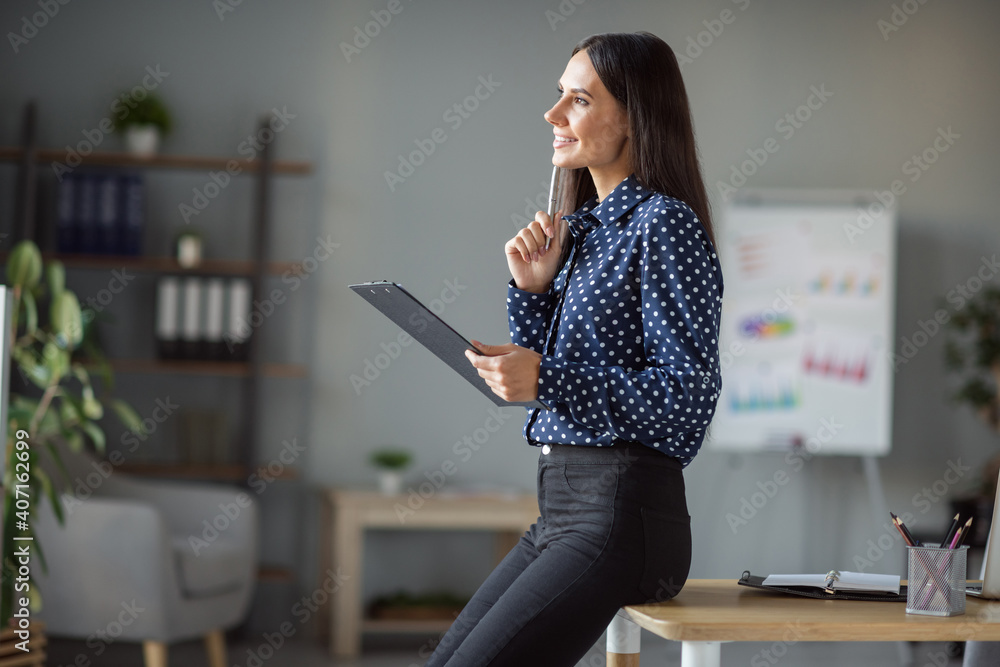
(432, 332)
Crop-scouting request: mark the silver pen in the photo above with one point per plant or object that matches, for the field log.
(553, 201)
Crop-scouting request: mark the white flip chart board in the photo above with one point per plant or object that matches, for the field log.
(807, 323)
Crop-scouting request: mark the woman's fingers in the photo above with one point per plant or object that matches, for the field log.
(518, 245)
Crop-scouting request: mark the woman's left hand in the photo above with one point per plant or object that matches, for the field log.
(510, 370)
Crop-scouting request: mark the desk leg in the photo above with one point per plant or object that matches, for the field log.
(345, 622)
(623, 641)
(701, 654)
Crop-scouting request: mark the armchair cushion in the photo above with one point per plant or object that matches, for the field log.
(207, 569)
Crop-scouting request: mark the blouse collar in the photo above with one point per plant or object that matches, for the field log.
(616, 206)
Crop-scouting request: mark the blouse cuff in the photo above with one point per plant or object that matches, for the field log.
(538, 302)
(551, 379)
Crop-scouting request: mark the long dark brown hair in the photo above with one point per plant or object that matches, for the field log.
(641, 72)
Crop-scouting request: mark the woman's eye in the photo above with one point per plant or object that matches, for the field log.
(576, 99)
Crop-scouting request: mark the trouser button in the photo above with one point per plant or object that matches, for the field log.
(546, 449)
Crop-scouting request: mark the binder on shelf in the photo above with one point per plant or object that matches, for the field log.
(191, 347)
(66, 214)
(214, 317)
(168, 294)
(831, 586)
(238, 321)
(108, 213)
(86, 213)
(133, 213)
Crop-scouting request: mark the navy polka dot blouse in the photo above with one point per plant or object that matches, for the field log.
(629, 328)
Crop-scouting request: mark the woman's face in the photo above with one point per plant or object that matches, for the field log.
(589, 124)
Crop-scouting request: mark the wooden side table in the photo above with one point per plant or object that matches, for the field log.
(348, 513)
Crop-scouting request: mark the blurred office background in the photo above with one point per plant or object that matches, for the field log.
(897, 74)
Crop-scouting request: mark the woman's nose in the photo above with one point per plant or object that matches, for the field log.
(554, 115)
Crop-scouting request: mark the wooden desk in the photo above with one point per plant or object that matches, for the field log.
(351, 512)
(709, 611)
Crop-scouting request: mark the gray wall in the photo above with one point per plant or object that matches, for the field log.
(447, 222)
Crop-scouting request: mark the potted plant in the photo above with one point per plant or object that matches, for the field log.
(403, 605)
(143, 122)
(390, 464)
(55, 402)
(972, 354)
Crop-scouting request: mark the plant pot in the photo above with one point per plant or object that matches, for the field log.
(390, 482)
(142, 140)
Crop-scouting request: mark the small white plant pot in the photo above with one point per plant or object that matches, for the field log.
(142, 140)
(390, 482)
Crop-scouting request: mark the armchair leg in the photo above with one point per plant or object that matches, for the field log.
(215, 646)
(155, 653)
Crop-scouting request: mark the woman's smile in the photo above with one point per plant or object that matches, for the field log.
(562, 141)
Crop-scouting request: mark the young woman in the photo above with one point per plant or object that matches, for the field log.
(615, 328)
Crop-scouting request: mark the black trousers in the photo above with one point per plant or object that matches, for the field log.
(614, 530)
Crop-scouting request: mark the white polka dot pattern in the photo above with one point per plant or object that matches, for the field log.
(636, 355)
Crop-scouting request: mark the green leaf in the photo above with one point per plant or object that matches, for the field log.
(49, 489)
(92, 408)
(67, 319)
(24, 266)
(56, 360)
(31, 367)
(128, 416)
(30, 313)
(96, 435)
(60, 464)
(75, 440)
(55, 274)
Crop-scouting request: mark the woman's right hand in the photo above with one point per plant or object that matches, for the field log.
(531, 265)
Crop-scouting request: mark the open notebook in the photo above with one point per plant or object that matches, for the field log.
(838, 581)
(832, 586)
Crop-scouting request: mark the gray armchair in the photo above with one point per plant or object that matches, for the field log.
(147, 561)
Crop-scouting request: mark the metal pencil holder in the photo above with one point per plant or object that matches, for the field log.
(936, 581)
